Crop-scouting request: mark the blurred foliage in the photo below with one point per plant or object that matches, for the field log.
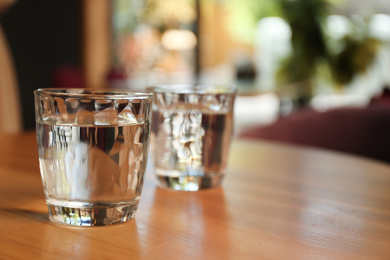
(245, 14)
(127, 15)
(307, 38)
(356, 56)
(309, 45)
(169, 13)
(162, 14)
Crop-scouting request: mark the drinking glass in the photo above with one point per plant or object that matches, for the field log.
(192, 126)
(93, 150)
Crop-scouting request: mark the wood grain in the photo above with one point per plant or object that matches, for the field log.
(277, 202)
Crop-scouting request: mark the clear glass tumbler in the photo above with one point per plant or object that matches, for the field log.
(93, 150)
(192, 126)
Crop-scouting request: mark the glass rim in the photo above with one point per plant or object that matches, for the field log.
(200, 88)
(92, 93)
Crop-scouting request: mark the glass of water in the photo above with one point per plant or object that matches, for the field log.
(93, 150)
(192, 126)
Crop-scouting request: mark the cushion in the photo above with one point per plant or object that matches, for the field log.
(360, 131)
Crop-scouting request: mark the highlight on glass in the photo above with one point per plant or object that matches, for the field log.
(192, 126)
(93, 150)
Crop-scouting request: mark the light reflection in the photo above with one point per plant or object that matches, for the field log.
(179, 40)
(183, 221)
(379, 26)
(338, 26)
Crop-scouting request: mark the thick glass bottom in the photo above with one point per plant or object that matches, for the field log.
(190, 183)
(90, 214)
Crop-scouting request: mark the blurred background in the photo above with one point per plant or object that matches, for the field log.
(283, 55)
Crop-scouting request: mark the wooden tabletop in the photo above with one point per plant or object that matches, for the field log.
(277, 202)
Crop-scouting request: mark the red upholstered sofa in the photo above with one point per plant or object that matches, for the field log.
(359, 131)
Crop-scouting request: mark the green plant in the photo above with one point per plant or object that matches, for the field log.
(310, 48)
(244, 15)
(305, 18)
(357, 55)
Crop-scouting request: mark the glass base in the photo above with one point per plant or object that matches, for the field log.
(190, 183)
(91, 215)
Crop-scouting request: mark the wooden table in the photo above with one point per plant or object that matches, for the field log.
(277, 202)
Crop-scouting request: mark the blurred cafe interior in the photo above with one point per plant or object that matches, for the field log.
(309, 72)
